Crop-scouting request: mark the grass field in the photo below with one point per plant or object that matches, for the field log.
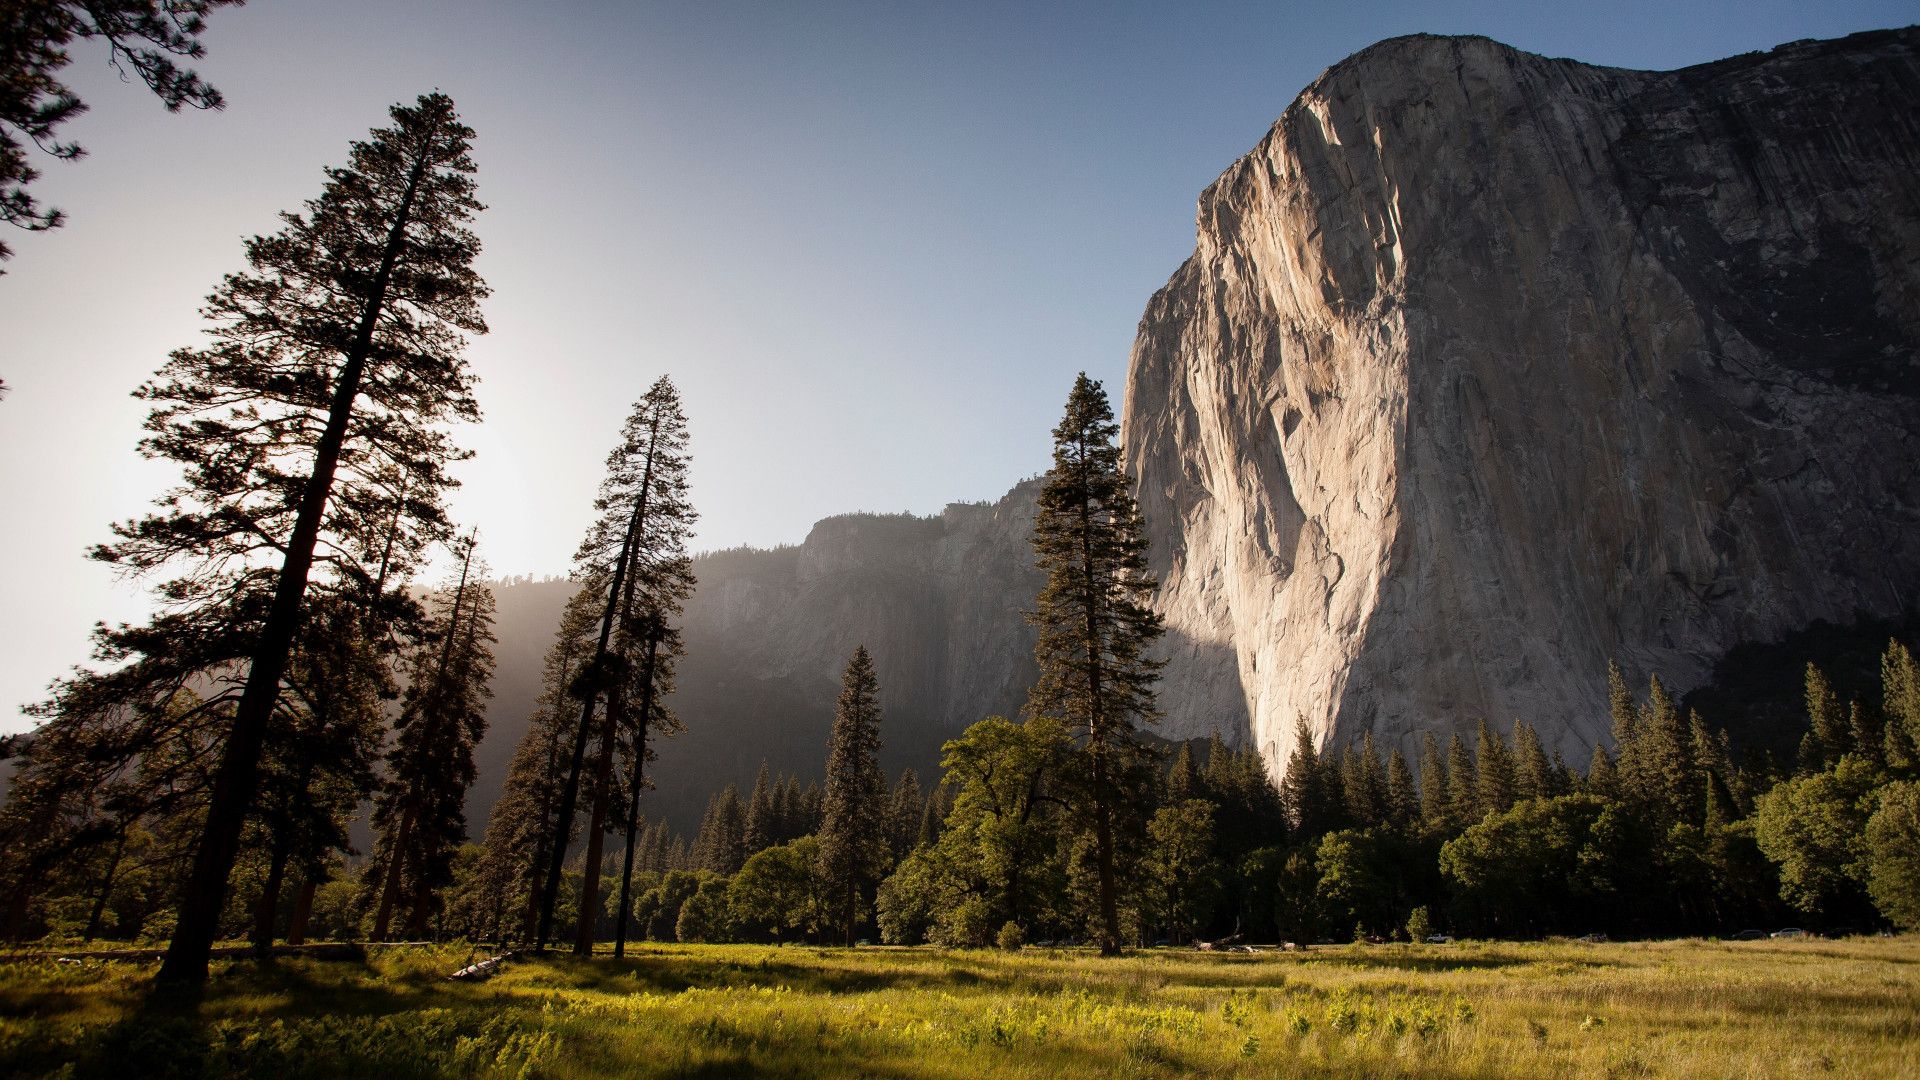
(1682, 1009)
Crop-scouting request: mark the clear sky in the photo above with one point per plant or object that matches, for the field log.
(872, 242)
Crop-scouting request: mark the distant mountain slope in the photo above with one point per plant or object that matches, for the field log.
(937, 600)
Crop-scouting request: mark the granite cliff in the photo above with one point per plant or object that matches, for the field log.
(1488, 367)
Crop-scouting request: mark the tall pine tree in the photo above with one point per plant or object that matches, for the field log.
(334, 367)
(636, 546)
(853, 827)
(1095, 627)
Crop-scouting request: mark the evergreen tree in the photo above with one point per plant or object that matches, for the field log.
(1603, 781)
(1435, 785)
(1403, 795)
(853, 829)
(637, 545)
(1463, 787)
(419, 816)
(761, 824)
(1663, 784)
(1533, 776)
(1308, 791)
(1095, 626)
(721, 845)
(905, 806)
(1900, 701)
(1827, 737)
(1493, 774)
(335, 365)
(1364, 783)
(1183, 778)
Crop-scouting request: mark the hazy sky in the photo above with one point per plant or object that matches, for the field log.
(871, 242)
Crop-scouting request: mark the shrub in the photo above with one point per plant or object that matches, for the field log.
(1011, 937)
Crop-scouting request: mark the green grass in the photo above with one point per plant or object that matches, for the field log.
(1681, 1009)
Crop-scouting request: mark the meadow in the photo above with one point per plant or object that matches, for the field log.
(1555, 1009)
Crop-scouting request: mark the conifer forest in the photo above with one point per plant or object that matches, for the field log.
(296, 819)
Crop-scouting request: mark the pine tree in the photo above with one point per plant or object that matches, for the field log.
(637, 547)
(853, 840)
(1603, 780)
(721, 845)
(1493, 774)
(1435, 785)
(761, 824)
(335, 365)
(1463, 786)
(1900, 701)
(1532, 773)
(1364, 783)
(906, 802)
(1403, 795)
(419, 815)
(1305, 792)
(1183, 778)
(1827, 737)
(1663, 785)
(1095, 626)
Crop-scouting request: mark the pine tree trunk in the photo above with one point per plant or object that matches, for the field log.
(269, 905)
(390, 888)
(205, 893)
(303, 909)
(1096, 742)
(596, 835)
(633, 798)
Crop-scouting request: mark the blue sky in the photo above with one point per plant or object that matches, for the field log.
(873, 242)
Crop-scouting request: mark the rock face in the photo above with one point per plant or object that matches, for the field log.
(1488, 367)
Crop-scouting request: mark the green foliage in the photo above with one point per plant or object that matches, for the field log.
(1360, 881)
(1813, 828)
(1419, 925)
(1010, 938)
(1892, 845)
(1185, 874)
(706, 915)
(779, 894)
(1547, 864)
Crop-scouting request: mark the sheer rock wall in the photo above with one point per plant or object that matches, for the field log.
(1487, 367)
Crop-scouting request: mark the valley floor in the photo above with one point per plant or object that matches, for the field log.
(1683, 1008)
